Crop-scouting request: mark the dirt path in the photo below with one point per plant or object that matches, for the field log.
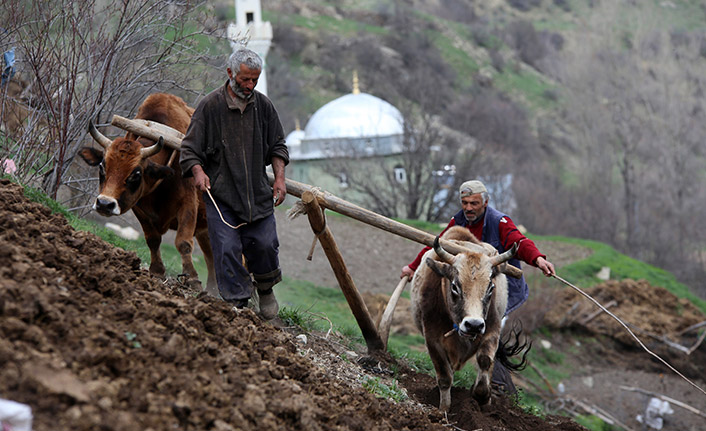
(374, 258)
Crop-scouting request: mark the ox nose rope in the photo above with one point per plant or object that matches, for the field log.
(629, 331)
(219, 212)
(451, 332)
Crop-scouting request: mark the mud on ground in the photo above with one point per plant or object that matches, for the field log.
(91, 341)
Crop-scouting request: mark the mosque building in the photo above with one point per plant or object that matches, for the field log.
(355, 128)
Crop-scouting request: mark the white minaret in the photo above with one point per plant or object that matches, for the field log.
(249, 30)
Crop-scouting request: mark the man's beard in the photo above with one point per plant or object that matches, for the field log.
(473, 218)
(239, 91)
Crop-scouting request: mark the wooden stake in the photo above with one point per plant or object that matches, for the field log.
(355, 301)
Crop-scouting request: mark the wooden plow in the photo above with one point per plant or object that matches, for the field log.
(314, 202)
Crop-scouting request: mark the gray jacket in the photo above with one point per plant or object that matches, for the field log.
(234, 148)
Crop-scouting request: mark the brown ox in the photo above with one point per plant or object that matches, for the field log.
(134, 175)
(458, 303)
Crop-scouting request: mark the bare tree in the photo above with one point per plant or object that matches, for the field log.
(84, 60)
(635, 106)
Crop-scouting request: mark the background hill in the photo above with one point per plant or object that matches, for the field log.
(594, 107)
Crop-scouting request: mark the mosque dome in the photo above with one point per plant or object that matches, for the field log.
(355, 115)
(295, 137)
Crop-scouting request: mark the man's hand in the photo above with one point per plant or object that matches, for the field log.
(407, 272)
(546, 266)
(201, 180)
(279, 191)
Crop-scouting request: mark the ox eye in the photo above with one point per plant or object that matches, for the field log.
(134, 180)
(455, 289)
(101, 172)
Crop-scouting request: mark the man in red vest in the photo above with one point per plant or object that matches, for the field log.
(496, 228)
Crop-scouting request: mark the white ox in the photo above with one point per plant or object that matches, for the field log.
(458, 303)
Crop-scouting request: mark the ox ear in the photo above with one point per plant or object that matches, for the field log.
(91, 156)
(158, 172)
(440, 268)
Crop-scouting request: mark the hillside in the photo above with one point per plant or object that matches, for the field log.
(584, 103)
(90, 340)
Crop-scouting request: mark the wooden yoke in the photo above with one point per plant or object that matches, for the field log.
(355, 301)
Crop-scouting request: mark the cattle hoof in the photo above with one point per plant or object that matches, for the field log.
(158, 270)
(481, 394)
(194, 283)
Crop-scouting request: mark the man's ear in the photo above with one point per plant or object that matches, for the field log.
(158, 172)
(440, 268)
(91, 156)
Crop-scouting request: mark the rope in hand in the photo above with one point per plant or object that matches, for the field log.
(219, 212)
(629, 331)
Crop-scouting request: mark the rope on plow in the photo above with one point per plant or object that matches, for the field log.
(629, 331)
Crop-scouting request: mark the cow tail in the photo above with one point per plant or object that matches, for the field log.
(511, 345)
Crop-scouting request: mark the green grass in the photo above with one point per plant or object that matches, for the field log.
(375, 386)
(320, 303)
(464, 66)
(433, 228)
(594, 423)
(528, 85)
(328, 24)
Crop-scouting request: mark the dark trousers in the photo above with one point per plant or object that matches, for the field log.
(256, 241)
(502, 379)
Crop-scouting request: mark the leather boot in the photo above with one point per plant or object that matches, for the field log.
(268, 304)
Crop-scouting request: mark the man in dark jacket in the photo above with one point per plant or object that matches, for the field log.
(234, 134)
(497, 229)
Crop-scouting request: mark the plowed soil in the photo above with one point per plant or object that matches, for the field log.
(91, 341)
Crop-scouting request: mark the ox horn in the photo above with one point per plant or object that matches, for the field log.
(444, 255)
(504, 257)
(154, 149)
(98, 136)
